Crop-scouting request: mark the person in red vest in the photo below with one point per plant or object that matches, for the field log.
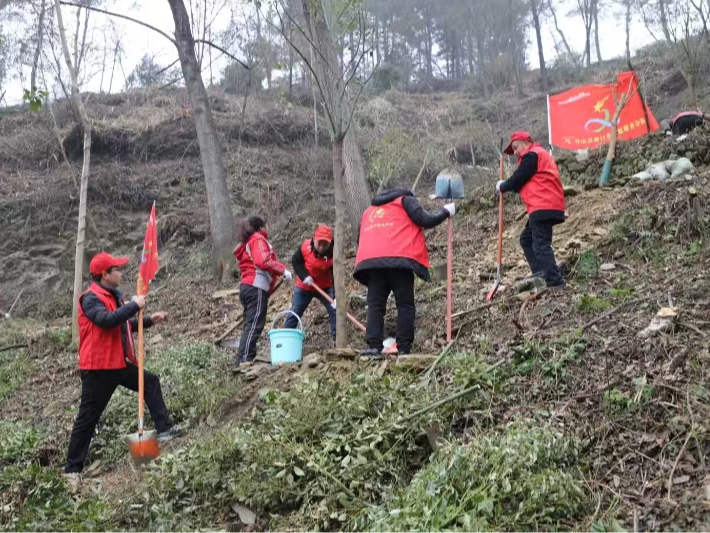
(687, 120)
(538, 182)
(313, 264)
(260, 269)
(391, 250)
(107, 358)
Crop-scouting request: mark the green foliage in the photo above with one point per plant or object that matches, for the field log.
(33, 498)
(193, 380)
(549, 361)
(325, 449)
(388, 157)
(616, 399)
(588, 264)
(146, 73)
(60, 337)
(522, 479)
(35, 98)
(17, 442)
(591, 304)
(388, 77)
(15, 366)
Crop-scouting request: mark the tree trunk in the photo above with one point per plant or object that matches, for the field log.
(595, 11)
(516, 59)
(481, 60)
(540, 52)
(35, 61)
(429, 45)
(85, 169)
(222, 225)
(356, 188)
(628, 33)
(559, 30)
(664, 20)
(339, 270)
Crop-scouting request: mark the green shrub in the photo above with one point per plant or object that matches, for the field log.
(522, 479)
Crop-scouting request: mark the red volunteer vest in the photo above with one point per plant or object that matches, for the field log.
(387, 231)
(544, 190)
(99, 348)
(319, 268)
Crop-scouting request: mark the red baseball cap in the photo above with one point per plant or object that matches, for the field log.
(517, 136)
(102, 261)
(323, 233)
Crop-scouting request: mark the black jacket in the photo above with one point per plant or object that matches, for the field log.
(96, 312)
(420, 216)
(299, 263)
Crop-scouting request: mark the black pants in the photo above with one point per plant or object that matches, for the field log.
(254, 301)
(381, 283)
(97, 387)
(536, 240)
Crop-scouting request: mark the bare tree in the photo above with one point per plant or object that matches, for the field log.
(86, 126)
(325, 26)
(585, 10)
(540, 51)
(595, 11)
(687, 35)
(551, 7)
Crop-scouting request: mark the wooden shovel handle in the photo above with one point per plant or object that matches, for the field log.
(500, 215)
(141, 384)
(330, 300)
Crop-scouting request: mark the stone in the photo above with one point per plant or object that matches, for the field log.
(312, 360)
(606, 267)
(570, 192)
(581, 155)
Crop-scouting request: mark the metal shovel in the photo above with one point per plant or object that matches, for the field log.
(144, 444)
(449, 186)
(387, 342)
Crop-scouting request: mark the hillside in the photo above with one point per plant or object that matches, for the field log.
(578, 416)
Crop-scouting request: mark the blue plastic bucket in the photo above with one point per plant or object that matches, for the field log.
(286, 344)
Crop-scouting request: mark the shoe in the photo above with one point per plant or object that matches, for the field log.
(391, 350)
(532, 284)
(557, 285)
(169, 434)
(374, 353)
(73, 480)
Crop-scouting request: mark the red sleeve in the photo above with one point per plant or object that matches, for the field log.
(264, 258)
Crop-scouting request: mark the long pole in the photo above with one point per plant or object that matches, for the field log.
(141, 384)
(449, 275)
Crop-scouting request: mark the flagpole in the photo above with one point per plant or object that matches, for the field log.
(549, 123)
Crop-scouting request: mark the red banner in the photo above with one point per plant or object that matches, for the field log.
(581, 117)
(149, 258)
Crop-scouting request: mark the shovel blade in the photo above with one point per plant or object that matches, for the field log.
(493, 290)
(144, 447)
(449, 185)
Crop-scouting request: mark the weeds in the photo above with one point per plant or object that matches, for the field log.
(591, 304)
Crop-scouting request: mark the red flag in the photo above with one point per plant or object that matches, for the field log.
(149, 259)
(581, 117)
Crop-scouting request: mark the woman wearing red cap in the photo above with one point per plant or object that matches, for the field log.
(538, 182)
(260, 269)
(313, 264)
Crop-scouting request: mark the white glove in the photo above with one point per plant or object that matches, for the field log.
(451, 208)
(333, 304)
(500, 182)
(308, 281)
(287, 275)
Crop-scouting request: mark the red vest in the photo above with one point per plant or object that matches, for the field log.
(319, 268)
(99, 348)
(544, 190)
(387, 231)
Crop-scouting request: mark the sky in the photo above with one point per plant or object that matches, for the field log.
(139, 40)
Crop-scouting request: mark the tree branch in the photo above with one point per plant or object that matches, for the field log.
(242, 63)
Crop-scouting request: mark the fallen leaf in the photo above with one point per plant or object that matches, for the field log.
(681, 479)
(247, 516)
(617, 481)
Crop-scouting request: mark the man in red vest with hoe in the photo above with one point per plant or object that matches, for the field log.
(313, 264)
(391, 250)
(538, 182)
(107, 358)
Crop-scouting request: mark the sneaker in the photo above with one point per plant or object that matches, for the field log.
(169, 434)
(557, 285)
(374, 353)
(73, 480)
(532, 284)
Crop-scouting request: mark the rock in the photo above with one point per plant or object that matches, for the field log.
(571, 192)
(662, 323)
(606, 267)
(581, 155)
(312, 360)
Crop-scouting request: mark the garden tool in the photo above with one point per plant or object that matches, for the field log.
(499, 262)
(144, 444)
(388, 342)
(449, 186)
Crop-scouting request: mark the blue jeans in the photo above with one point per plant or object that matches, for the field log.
(301, 301)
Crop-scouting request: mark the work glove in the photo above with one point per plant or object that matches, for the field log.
(308, 281)
(333, 304)
(140, 300)
(287, 275)
(500, 182)
(451, 208)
